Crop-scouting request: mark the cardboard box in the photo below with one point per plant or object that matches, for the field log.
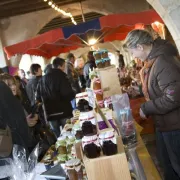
(113, 167)
(109, 81)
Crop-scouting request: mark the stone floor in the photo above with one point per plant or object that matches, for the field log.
(149, 140)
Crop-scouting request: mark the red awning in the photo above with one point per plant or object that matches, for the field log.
(61, 40)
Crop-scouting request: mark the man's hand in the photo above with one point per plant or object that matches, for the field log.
(32, 121)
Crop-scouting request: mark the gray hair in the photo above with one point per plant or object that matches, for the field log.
(137, 37)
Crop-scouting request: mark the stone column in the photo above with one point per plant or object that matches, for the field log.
(3, 59)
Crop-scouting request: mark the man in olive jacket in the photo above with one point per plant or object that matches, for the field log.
(160, 78)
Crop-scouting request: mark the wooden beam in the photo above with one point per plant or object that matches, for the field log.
(5, 2)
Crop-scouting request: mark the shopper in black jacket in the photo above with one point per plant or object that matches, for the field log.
(56, 93)
(12, 114)
(31, 87)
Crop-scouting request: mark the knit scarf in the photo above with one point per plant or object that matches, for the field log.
(144, 75)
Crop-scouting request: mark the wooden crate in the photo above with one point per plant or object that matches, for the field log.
(106, 167)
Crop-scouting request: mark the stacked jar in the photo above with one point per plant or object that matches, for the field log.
(98, 91)
(88, 123)
(102, 58)
(91, 146)
(61, 148)
(108, 142)
(105, 58)
(98, 58)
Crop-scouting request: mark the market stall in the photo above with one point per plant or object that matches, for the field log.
(102, 140)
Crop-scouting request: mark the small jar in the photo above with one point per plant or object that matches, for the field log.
(97, 55)
(62, 150)
(83, 106)
(88, 128)
(108, 142)
(62, 158)
(107, 62)
(96, 84)
(109, 148)
(91, 146)
(87, 116)
(74, 169)
(61, 145)
(100, 63)
(104, 53)
(70, 142)
(99, 94)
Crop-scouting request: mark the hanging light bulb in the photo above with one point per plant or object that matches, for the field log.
(50, 3)
(55, 7)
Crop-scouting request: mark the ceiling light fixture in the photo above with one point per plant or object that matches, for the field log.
(57, 8)
(92, 41)
(50, 3)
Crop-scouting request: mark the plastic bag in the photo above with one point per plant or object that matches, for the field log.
(125, 120)
(19, 167)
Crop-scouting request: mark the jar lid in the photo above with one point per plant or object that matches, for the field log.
(96, 52)
(104, 50)
(73, 163)
(82, 95)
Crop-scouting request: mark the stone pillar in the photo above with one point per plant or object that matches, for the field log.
(3, 59)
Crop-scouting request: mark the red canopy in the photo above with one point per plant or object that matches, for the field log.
(61, 40)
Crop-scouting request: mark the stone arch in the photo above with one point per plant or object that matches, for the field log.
(169, 10)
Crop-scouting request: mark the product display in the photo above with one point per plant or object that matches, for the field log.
(91, 146)
(98, 91)
(81, 135)
(102, 58)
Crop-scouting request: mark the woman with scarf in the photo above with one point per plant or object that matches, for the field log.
(160, 78)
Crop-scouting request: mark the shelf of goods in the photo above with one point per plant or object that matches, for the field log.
(105, 167)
